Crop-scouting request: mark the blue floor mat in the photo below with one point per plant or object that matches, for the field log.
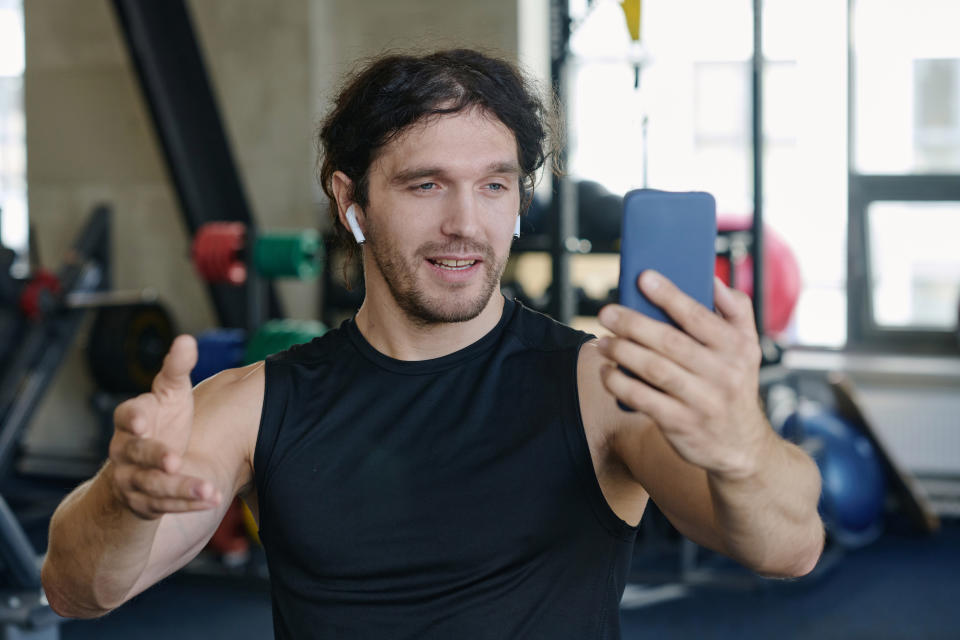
(899, 587)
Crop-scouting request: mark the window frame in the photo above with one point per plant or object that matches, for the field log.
(863, 332)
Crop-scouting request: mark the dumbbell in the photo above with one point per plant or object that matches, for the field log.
(221, 252)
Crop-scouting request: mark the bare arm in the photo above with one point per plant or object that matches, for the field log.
(699, 443)
(176, 459)
(767, 522)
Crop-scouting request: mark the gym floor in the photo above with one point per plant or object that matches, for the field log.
(901, 586)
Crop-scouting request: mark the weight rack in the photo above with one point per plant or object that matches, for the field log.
(42, 345)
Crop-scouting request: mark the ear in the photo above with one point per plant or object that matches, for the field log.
(343, 192)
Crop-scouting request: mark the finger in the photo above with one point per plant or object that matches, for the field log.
(638, 395)
(159, 484)
(735, 306)
(690, 315)
(174, 377)
(150, 453)
(147, 506)
(134, 416)
(653, 368)
(666, 340)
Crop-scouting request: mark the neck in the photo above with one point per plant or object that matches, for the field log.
(391, 332)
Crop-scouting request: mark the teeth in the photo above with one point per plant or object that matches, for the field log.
(454, 264)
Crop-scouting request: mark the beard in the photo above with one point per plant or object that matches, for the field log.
(400, 274)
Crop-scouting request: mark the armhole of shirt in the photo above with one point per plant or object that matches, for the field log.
(271, 419)
(583, 463)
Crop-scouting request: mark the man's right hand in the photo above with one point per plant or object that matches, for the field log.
(151, 434)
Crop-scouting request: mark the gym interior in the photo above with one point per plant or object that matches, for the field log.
(158, 175)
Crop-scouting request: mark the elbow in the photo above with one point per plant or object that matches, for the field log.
(59, 598)
(54, 594)
(800, 560)
(813, 543)
(61, 606)
(810, 538)
(808, 561)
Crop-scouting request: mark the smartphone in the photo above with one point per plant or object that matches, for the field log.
(673, 233)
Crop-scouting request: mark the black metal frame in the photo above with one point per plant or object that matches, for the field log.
(170, 67)
(45, 342)
(24, 377)
(756, 244)
(863, 333)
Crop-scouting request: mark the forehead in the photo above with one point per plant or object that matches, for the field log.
(469, 138)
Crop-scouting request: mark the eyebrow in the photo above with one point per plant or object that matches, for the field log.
(415, 173)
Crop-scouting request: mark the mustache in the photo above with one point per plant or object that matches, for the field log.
(434, 248)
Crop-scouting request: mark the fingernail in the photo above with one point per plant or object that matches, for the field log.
(603, 343)
(201, 490)
(650, 280)
(725, 289)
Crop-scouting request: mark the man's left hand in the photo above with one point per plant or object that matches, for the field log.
(700, 383)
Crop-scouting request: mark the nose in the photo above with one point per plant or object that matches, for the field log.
(461, 218)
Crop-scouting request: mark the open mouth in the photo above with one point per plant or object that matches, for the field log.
(452, 265)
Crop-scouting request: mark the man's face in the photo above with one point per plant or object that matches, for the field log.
(443, 200)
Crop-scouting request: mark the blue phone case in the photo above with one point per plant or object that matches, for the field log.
(673, 233)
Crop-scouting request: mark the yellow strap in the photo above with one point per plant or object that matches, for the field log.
(631, 11)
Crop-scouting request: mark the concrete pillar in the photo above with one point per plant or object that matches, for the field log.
(90, 140)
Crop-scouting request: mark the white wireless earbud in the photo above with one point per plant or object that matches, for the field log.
(516, 228)
(351, 216)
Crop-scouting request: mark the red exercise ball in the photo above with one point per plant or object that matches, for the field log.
(781, 274)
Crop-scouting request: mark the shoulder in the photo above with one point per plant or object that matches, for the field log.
(608, 427)
(232, 386)
(227, 410)
(540, 331)
(597, 406)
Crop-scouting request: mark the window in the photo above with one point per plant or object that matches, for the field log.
(906, 57)
(914, 263)
(690, 123)
(13, 147)
(936, 129)
(905, 175)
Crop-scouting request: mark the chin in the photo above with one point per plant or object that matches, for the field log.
(451, 307)
(449, 311)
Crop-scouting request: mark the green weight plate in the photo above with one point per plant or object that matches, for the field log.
(279, 335)
(296, 254)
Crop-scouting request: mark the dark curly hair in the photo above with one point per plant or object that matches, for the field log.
(392, 92)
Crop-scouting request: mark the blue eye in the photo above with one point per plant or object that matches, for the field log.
(426, 186)
(496, 186)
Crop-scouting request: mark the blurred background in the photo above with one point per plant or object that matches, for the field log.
(157, 174)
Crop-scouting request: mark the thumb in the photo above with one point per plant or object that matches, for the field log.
(179, 361)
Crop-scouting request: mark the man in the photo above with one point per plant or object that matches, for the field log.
(447, 464)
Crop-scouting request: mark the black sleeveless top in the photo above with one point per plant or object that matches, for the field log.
(451, 498)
